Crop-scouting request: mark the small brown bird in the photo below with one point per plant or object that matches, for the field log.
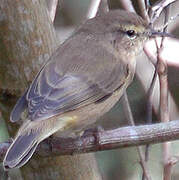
(82, 80)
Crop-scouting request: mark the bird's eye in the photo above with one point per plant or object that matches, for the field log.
(131, 34)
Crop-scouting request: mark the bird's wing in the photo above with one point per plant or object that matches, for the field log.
(52, 94)
(63, 84)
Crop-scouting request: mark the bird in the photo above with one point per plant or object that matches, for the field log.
(82, 80)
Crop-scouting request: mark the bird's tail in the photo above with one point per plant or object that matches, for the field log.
(30, 135)
(21, 150)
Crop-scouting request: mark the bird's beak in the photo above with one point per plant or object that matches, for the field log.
(154, 34)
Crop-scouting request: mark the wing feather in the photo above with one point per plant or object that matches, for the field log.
(72, 81)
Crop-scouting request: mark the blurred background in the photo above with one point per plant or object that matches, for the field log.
(123, 163)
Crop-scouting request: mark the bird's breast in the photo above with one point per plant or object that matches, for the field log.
(89, 114)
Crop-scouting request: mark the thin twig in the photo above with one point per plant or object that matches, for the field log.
(127, 5)
(93, 9)
(143, 10)
(130, 119)
(169, 52)
(149, 112)
(170, 20)
(103, 7)
(149, 102)
(164, 112)
(150, 96)
(147, 4)
(156, 9)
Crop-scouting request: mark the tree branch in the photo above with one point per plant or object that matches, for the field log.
(158, 8)
(164, 111)
(130, 118)
(107, 140)
(127, 5)
(143, 9)
(52, 8)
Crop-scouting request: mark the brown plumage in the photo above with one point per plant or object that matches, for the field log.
(82, 80)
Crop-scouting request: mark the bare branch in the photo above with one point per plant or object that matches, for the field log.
(130, 118)
(149, 111)
(52, 7)
(103, 7)
(111, 139)
(97, 7)
(170, 21)
(143, 10)
(158, 8)
(127, 5)
(147, 4)
(168, 53)
(93, 9)
(164, 112)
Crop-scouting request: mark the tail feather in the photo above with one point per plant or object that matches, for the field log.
(30, 135)
(21, 150)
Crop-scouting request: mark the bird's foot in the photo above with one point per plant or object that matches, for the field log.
(95, 132)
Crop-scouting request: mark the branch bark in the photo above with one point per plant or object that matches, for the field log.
(27, 39)
(164, 112)
(131, 122)
(106, 140)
